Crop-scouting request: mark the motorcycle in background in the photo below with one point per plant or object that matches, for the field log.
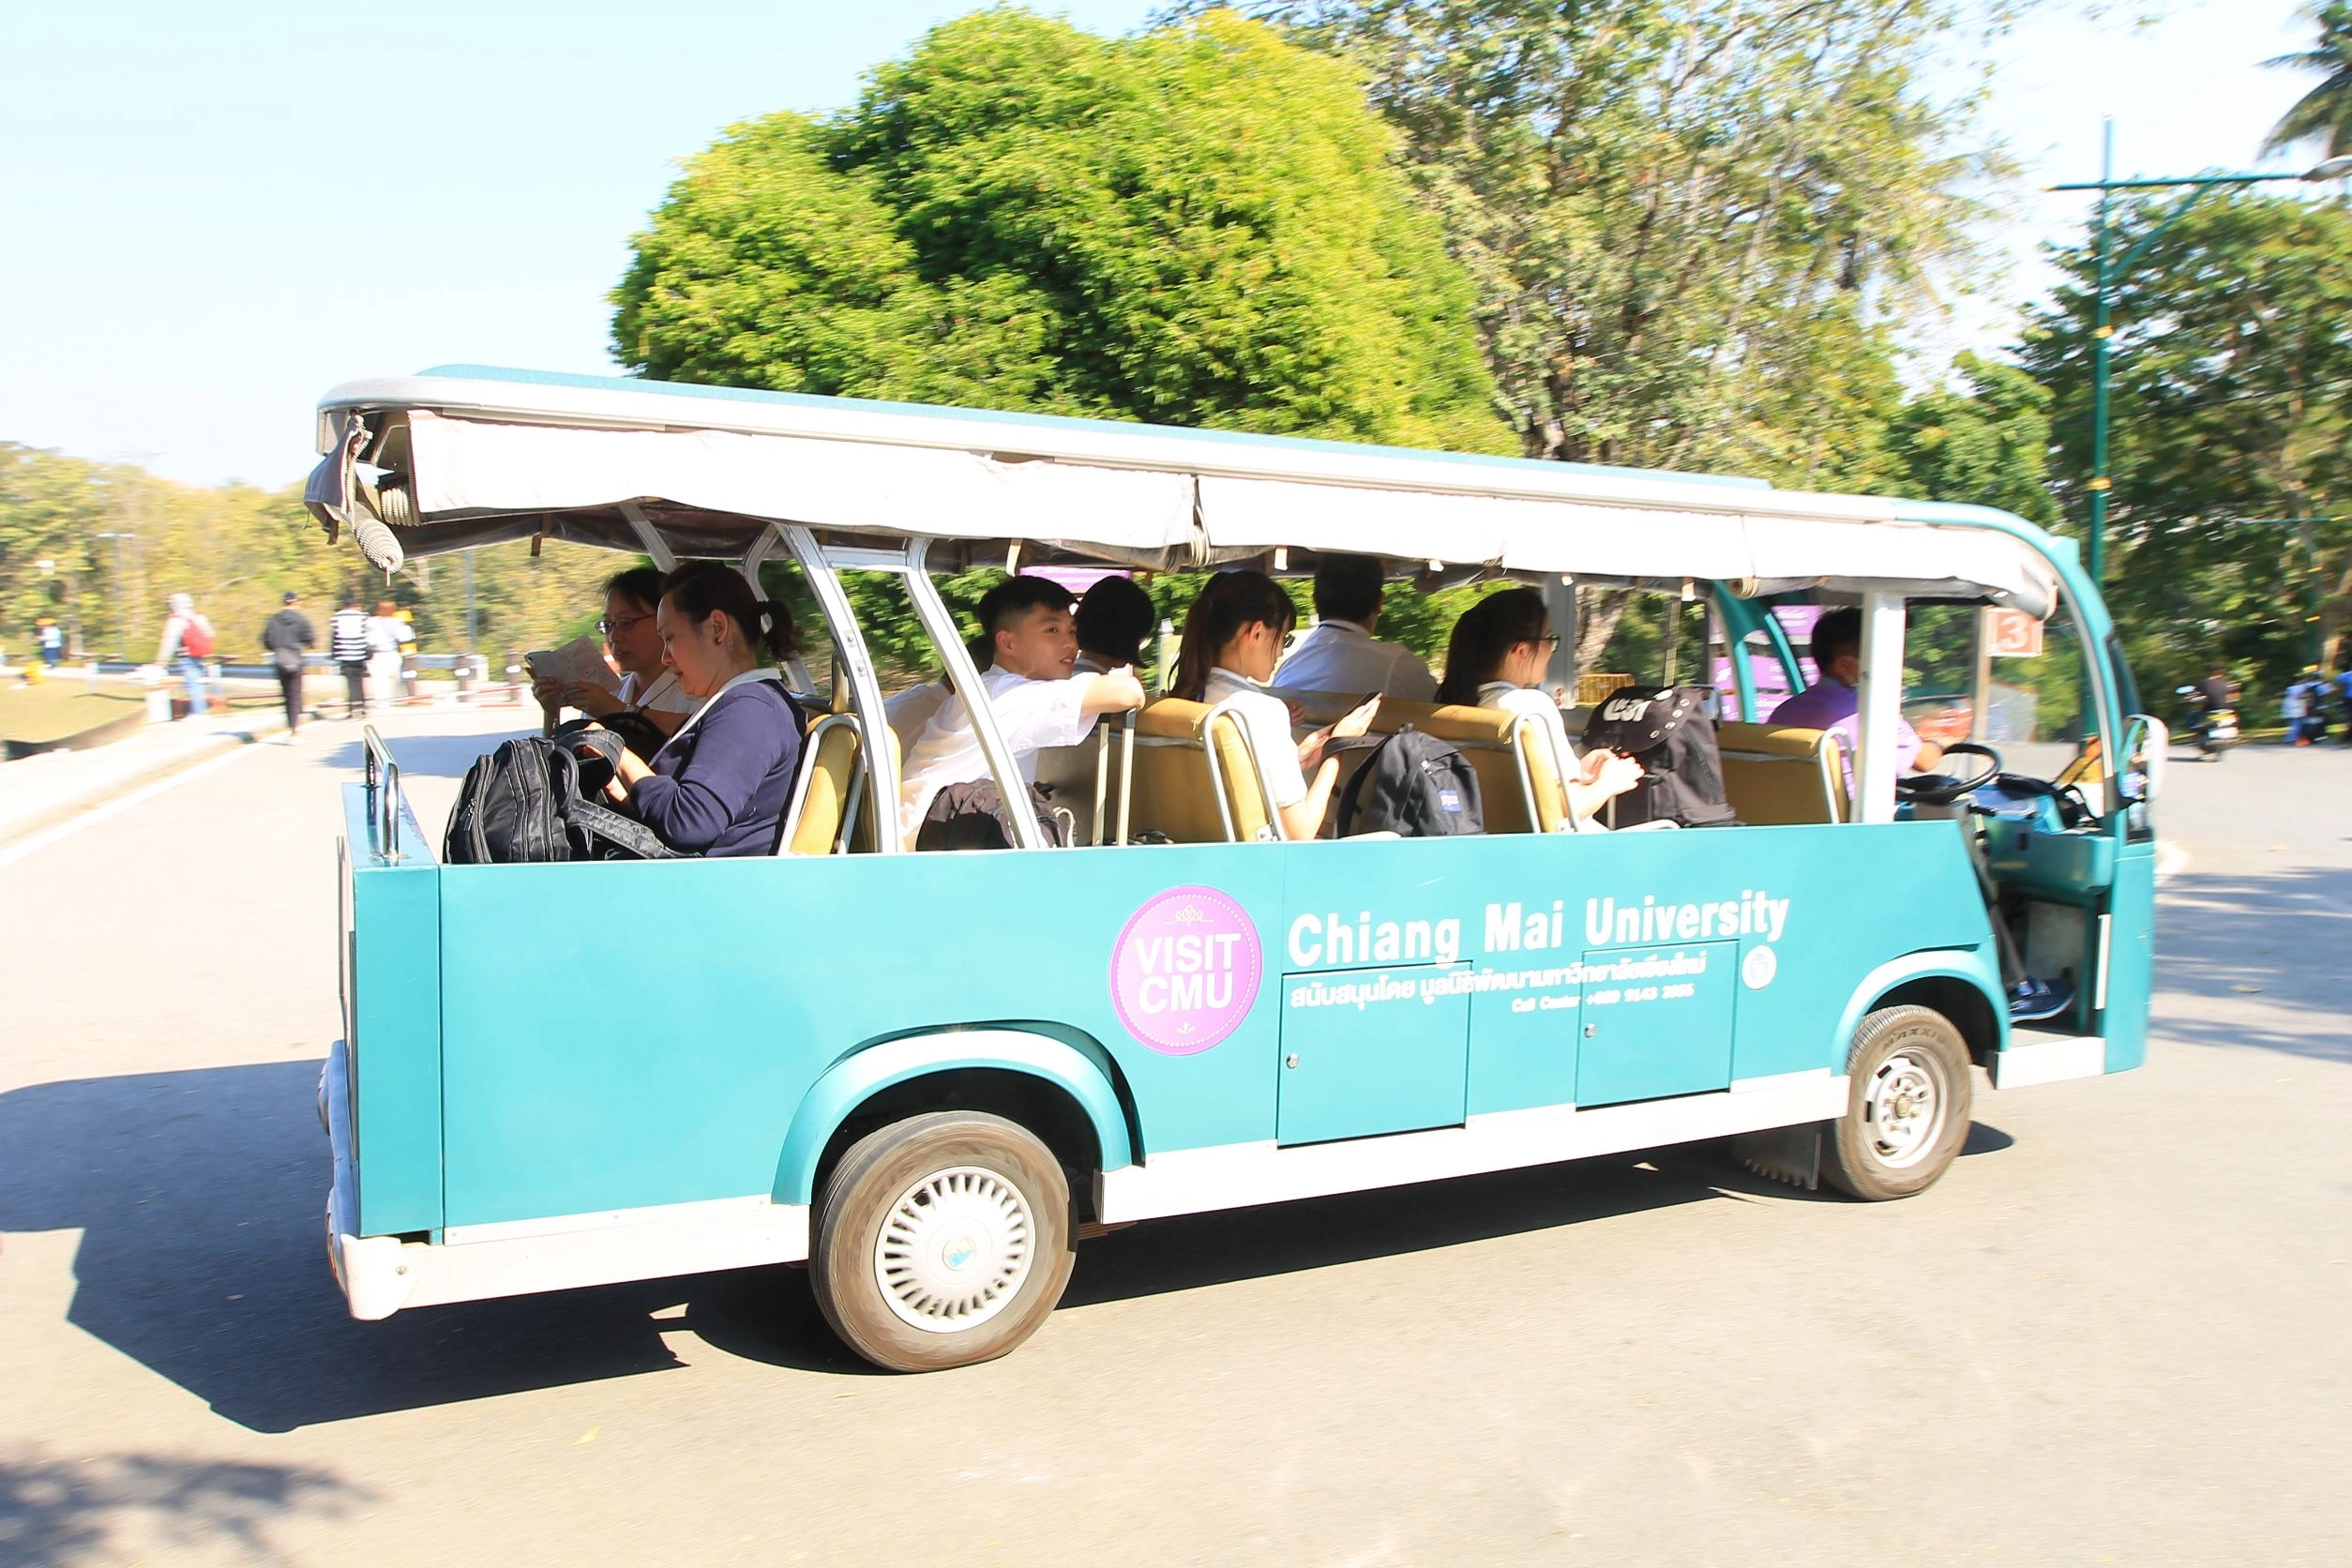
(2213, 728)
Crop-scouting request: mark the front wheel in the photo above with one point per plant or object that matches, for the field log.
(942, 1240)
(1906, 1112)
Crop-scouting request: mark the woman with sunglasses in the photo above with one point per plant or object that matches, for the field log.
(648, 687)
(1496, 659)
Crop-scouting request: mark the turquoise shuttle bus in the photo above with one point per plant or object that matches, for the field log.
(927, 1076)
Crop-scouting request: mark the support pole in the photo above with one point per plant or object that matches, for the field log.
(1979, 675)
(1560, 603)
(2101, 333)
(1881, 697)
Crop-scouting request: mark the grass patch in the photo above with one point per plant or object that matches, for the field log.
(57, 708)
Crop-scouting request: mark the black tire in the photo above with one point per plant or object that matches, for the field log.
(940, 1182)
(1906, 1109)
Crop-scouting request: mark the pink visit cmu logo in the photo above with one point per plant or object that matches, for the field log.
(1184, 973)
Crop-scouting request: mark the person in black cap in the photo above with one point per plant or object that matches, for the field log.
(286, 636)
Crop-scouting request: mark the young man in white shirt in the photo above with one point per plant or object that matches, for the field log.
(910, 711)
(1037, 700)
(1339, 653)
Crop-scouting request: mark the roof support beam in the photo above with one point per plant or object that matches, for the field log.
(655, 546)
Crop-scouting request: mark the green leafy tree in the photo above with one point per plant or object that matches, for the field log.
(2324, 114)
(1985, 442)
(1690, 225)
(1983, 439)
(1198, 226)
(1201, 226)
(52, 507)
(120, 541)
(2232, 367)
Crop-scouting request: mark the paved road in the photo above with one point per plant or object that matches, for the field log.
(2113, 1334)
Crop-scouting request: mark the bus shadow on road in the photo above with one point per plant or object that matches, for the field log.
(200, 1195)
(2268, 938)
(1290, 1238)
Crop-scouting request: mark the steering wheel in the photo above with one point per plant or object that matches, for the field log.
(1942, 789)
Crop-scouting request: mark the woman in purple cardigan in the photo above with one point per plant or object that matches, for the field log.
(720, 785)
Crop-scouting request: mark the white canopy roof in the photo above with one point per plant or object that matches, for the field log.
(488, 455)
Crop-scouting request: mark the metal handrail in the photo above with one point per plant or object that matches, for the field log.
(384, 802)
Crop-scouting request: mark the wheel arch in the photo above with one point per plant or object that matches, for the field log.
(1958, 981)
(1049, 1084)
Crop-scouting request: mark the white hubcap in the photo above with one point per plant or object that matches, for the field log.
(954, 1249)
(1906, 1109)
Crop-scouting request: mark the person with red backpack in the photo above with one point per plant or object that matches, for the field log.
(186, 643)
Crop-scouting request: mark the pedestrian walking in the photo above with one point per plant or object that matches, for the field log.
(185, 644)
(347, 646)
(387, 637)
(288, 637)
(407, 618)
(2298, 707)
(52, 638)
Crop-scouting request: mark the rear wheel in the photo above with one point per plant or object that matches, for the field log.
(1907, 1111)
(942, 1240)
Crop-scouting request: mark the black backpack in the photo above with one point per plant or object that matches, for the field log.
(1669, 731)
(528, 802)
(1413, 785)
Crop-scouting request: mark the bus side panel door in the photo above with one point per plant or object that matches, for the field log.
(1362, 1053)
(2129, 960)
(1523, 1046)
(1655, 1021)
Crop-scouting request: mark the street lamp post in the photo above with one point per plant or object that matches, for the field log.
(2111, 267)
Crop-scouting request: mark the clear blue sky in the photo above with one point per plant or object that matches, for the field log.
(210, 214)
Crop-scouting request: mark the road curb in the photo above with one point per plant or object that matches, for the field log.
(227, 743)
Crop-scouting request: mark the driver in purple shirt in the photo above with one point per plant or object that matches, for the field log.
(1832, 701)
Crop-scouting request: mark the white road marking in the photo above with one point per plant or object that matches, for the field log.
(117, 807)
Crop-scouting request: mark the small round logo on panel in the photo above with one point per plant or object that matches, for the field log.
(1757, 968)
(1184, 971)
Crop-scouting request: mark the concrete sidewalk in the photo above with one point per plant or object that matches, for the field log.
(39, 793)
(42, 792)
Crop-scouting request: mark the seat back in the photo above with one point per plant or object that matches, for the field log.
(1778, 774)
(1195, 776)
(880, 796)
(830, 790)
(1519, 786)
(1070, 775)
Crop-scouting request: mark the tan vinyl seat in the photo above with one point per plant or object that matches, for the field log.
(1068, 775)
(1518, 783)
(1188, 791)
(830, 789)
(862, 835)
(1519, 786)
(1778, 774)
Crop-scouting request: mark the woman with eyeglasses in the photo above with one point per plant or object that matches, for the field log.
(649, 688)
(719, 785)
(1496, 659)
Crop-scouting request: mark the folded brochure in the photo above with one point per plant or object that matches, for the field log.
(579, 662)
